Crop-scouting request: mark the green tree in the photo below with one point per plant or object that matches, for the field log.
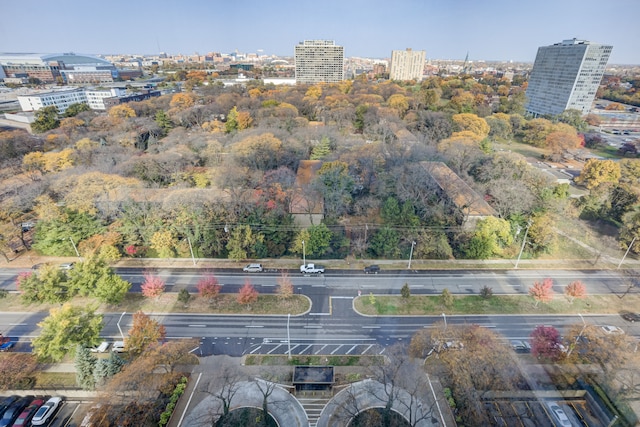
(317, 240)
(542, 236)
(322, 149)
(106, 368)
(111, 288)
(244, 243)
(385, 243)
(65, 328)
(496, 232)
(447, 298)
(163, 120)
(184, 296)
(336, 185)
(53, 237)
(574, 118)
(76, 108)
(46, 118)
(85, 365)
(232, 120)
(405, 291)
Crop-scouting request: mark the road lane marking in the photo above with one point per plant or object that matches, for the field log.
(313, 327)
(321, 348)
(253, 351)
(254, 326)
(197, 326)
(371, 327)
(319, 314)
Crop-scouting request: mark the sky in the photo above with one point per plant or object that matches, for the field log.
(445, 29)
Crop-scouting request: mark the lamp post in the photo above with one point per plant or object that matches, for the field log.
(584, 325)
(444, 316)
(524, 241)
(304, 255)
(120, 329)
(76, 249)
(627, 252)
(411, 253)
(288, 336)
(191, 250)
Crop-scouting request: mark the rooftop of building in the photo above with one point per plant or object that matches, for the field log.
(45, 58)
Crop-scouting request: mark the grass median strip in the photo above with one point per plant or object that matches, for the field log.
(432, 305)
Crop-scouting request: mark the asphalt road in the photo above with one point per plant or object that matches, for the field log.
(332, 327)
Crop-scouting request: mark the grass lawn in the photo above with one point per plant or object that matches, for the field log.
(428, 305)
(168, 303)
(55, 380)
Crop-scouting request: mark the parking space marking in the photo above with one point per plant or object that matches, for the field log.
(337, 348)
(306, 348)
(351, 349)
(367, 349)
(256, 349)
(321, 348)
(273, 349)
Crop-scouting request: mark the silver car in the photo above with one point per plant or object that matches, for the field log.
(253, 268)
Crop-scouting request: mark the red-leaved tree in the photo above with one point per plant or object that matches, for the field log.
(575, 289)
(247, 294)
(546, 343)
(153, 286)
(542, 291)
(208, 287)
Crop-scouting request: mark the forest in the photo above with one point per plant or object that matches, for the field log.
(214, 169)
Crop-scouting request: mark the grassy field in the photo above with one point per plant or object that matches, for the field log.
(423, 305)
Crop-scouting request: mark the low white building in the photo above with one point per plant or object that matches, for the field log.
(96, 97)
(61, 99)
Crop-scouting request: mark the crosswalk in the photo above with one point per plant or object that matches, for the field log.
(316, 348)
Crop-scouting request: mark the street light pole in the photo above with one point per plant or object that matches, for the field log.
(411, 253)
(75, 248)
(120, 329)
(304, 255)
(584, 325)
(288, 335)
(627, 252)
(524, 241)
(191, 250)
(444, 316)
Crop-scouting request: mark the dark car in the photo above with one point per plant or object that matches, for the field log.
(630, 317)
(372, 269)
(14, 410)
(25, 416)
(520, 346)
(6, 402)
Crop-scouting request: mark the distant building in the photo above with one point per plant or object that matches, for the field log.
(48, 68)
(566, 76)
(319, 61)
(61, 99)
(407, 64)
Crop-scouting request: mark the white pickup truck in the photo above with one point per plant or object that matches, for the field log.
(311, 269)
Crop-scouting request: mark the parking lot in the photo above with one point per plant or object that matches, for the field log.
(536, 413)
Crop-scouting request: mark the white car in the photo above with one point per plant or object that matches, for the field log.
(253, 268)
(118, 347)
(612, 330)
(66, 266)
(559, 414)
(46, 411)
(100, 348)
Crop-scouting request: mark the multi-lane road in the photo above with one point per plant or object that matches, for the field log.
(332, 326)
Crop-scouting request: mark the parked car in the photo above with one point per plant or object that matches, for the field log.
(118, 347)
(253, 268)
(558, 414)
(15, 409)
(630, 317)
(6, 402)
(520, 346)
(66, 266)
(7, 346)
(46, 411)
(612, 330)
(372, 269)
(104, 345)
(312, 269)
(25, 416)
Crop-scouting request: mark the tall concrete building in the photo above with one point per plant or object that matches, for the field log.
(319, 61)
(407, 64)
(566, 76)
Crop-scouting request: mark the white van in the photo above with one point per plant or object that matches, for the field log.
(100, 348)
(118, 347)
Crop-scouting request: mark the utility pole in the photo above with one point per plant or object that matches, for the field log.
(304, 255)
(524, 241)
(627, 252)
(411, 254)
(191, 249)
(74, 248)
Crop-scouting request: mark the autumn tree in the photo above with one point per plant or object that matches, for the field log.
(46, 118)
(244, 243)
(546, 343)
(181, 101)
(575, 289)
(596, 172)
(164, 242)
(285, 286)
(559, 142)
(535, 132)
(247, 294)
(121, 111)
(65, 328)
(542, 235)
(144, 333)
(476, 126)
(542, 291)
(208, 287)
(153, 286)
(17, 370)
(490, 238)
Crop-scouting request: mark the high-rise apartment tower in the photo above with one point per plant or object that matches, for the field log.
(566, 76)
(319, 61)
(407, 64)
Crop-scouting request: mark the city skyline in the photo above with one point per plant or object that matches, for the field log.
(496, 30)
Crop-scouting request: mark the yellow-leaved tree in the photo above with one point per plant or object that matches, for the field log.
(121, 111)
(471, 123)
(596, 172)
